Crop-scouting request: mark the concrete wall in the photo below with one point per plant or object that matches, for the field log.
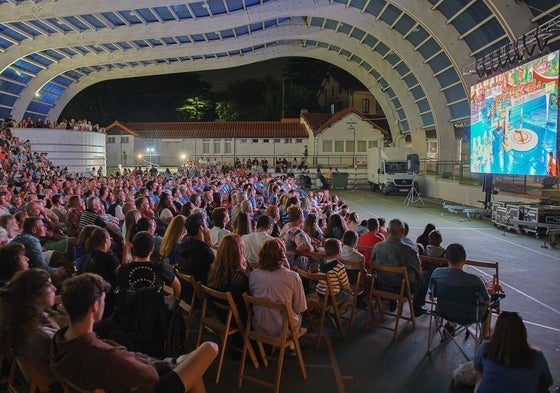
(463, 194)
(77, 150)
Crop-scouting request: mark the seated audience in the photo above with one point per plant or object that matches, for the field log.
(12, 260)
(141, 272)
(393, 252)
(254, 240)
(25, 325)
(195, 255)
(84, 360)
(507, 363)
(274, 281)
(337, 273)
(169, 249)
(434, 248)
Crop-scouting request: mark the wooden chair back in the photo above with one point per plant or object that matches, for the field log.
(217, 306)
(289, 336)
(189, 307)
(356, 282)
(402, 296)
(322, 304)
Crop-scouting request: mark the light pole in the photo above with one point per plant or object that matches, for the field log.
(150, 150)
(196, 109)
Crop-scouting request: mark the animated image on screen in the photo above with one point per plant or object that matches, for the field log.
(514, 120)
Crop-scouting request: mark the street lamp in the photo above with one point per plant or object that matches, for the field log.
(150, 151)
(196, 109)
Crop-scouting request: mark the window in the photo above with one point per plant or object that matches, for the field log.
(277, 140)
(362, 146)
(255, 141)
(288, 140)
(110, 139)
(266, 140)
(339, 146)
(227, 147)
(217, 146)
(372, 144)
(243, 141)
(327, 146)
(299, 140)
(349, 146)
(365, 105)
(206, 146)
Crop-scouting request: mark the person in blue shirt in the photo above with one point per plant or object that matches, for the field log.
(507, 363)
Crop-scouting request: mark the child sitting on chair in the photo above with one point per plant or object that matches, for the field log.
(434, 248)
(337, 273)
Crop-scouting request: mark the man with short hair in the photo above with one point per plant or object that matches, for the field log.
(393, 252)
(195, 255)
(33, 229)
(454, 275)
(80, 359)
(370, 239)
(253, 241)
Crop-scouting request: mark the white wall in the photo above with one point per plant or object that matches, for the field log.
(452, 191)
(77, 150)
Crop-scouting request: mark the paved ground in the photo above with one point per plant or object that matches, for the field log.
(367, 361)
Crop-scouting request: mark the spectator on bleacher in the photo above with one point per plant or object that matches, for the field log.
(74, 209)
(220, 218)
(33, 230)
(13, 260)
(253, 241)
(10, 224)
(26, 327)
(336, 226)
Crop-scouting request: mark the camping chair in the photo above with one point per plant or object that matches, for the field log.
(290, 335)
(461, 305)
(218, 307)
(401, 295)
(355, 271)
(322, 305)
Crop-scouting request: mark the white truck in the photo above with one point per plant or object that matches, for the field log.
(388, 169)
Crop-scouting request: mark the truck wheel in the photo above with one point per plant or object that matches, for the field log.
(384, 190)
(374, 187)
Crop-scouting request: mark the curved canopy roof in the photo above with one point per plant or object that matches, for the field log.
(417, 57)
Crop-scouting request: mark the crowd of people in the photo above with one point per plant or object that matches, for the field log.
(64, 124)
(85, 236)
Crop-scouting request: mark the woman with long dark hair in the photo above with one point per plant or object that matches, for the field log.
(507, 363)
(25, 326)
(228, 272)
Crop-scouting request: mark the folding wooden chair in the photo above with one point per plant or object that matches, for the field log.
(36, 379)
(324, 304)
(401, 295)
(355, 271)
(190, 286)
(217, 306)
(289, 336)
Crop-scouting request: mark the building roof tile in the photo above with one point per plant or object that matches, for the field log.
(227, 129)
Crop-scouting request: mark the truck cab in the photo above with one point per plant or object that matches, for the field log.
(388, 170)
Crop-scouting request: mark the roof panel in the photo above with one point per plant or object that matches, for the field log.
(147, 14)
(181, 11)
(91, 19)
(404, 24)
(26, 28)
(217, 7)
(200, 9)
(164, 13)
(42, 26)
(75, 22)
(115, 20)
(58, 23)
(375, 7)
(390, 14)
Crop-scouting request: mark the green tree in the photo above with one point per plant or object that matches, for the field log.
(193, 109)
(226, 111)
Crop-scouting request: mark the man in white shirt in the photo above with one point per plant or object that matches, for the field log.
(254, 240)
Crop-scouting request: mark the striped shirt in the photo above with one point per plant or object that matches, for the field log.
(336, 274)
